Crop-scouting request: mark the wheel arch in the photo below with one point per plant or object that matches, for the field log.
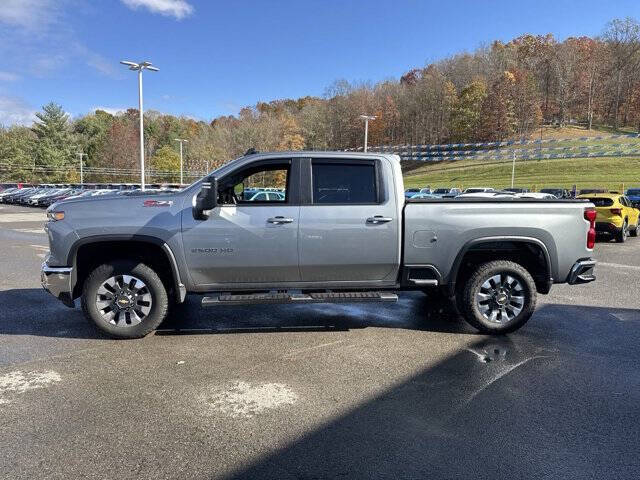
(87, 253)
(507, 248)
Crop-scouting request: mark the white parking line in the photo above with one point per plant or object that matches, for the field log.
(617, 265)
(29, 230)
(23, 217)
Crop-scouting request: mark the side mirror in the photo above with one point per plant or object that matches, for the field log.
(207, 199)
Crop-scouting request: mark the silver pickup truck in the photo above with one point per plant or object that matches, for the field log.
(305, 227)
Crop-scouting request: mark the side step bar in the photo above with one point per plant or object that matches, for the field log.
(321, 297)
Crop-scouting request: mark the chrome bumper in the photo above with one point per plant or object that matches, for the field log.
(582, 272)
(57, 281)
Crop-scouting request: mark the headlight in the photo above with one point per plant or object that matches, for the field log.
(55, 216)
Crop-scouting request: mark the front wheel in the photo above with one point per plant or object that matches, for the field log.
(499, 297)
(125, 299)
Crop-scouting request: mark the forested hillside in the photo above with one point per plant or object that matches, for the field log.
(499, 91)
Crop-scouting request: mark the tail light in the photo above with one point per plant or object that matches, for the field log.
(590, 215)
(616, 211)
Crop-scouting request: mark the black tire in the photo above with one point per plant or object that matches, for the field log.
(470, 306)
(621, 236)
(154, 286)
(634, 232)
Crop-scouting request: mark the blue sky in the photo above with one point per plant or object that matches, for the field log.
(217, 56)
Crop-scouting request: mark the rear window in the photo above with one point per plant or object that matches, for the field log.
(343, 183)
(601, 202)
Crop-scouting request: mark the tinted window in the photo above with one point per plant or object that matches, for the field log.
(344, 183)
(633, 191)
(601, 202)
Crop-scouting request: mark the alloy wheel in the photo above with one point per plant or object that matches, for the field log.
(501, 298)
(123, 300)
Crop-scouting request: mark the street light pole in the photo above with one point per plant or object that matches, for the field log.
(366, 119)
(139, 67)
(80, 155)
(181, 141)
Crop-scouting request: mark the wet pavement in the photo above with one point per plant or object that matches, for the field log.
(405, 390)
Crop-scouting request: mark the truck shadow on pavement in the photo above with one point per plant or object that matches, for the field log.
(554, 400)
(31, 311)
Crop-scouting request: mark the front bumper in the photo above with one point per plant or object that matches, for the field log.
(582, 272)
(57, 281)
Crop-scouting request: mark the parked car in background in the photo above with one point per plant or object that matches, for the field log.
(17, 196)
(616, 216)
(58, 197)
(494, 194)
(479, 190)
(424, 195)
(426, 190)
(557, 192)
(537, 195)
(410, 192)
(8, 191)
(516, 190)
(447, 192)
(34, 199)
(267, 197)
(633, 194)
(586, 191)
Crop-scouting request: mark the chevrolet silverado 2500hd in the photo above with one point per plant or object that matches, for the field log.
(336, 229)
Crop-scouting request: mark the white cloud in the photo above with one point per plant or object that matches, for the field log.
(39, 40)
(170, 8)
(28, 14)
(111, 110)
(8, 77)
(15, 111)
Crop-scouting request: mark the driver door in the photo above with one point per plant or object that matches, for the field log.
(251, 237)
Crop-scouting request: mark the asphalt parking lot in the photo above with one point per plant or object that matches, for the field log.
(319, 391)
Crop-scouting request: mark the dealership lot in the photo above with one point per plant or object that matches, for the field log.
(319, 391)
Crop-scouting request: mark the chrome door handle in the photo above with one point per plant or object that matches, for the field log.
(379, 219)
(279, 220)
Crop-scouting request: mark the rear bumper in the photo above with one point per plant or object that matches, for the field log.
(608, 227)
(57, 281)
(582, 272)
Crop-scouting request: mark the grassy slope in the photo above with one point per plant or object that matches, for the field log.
(588, 172)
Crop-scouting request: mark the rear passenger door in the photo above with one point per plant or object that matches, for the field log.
(349, 227)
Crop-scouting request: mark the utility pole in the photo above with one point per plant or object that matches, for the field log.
(366, 119)
(181, 141)
(139, 67)
(513, 169)
(80, 155)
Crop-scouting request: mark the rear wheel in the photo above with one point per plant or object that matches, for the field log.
(622, 235)
(125, 299)
(634, 232)
(499, 297)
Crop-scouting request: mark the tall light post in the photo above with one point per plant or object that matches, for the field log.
(366, 119)
(80, 155)
(181, 141)
(139, 67)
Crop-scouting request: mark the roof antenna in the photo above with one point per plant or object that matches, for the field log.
(251, 151)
